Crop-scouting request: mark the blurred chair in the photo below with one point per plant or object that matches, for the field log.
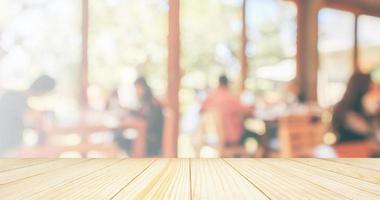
(211, 133)
(299, 134)
(359, 149)
(59, 141)
(168, 132)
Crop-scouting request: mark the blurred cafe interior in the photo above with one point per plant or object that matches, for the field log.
(189, 78)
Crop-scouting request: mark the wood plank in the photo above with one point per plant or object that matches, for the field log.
(366, 163)
(25, 188)
(189, 179)
(102, 184)
(13, 163)
(347, 170)
(278, 184)
(32, 170)
(216, 179)
(164, 179)
(346, 186)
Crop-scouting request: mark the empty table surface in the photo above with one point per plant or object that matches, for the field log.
(189, 179)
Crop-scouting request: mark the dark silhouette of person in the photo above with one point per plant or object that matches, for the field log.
(13, 107)
(349, 117)
(151, 115)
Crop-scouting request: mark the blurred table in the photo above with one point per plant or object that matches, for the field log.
(84, 131)
(190, 179)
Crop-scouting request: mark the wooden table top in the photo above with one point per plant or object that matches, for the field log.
(190, 179)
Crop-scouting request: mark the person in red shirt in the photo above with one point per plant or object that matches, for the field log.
(230, 109)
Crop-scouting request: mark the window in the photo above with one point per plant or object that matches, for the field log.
(335, 46)
(126, 39)
(271, 49)
(210, 39)
(42, 37)
(369, 42)
(210, 45)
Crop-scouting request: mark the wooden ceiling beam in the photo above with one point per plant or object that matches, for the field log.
(354, 6)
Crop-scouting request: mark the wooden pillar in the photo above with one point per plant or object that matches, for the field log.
(300, 78)
(356, 48)
(307, 48)
(84, 67)
(171, 132)
(243, 56)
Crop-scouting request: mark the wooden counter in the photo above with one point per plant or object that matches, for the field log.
(189, 179)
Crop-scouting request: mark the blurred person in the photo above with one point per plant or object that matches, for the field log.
(190, 117)
(349, 117)
(97, 98)
(13, 111)
(371, 103)
(293, 95)
(149, 116)
(371, 99)
(113, 101)
(231, 110)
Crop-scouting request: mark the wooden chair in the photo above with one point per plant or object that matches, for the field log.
(168, 134)
(211, 126)
(359, 149)
(299, 134)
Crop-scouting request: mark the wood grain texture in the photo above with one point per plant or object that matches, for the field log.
(25, 188)
(165, 179)
(189, 179)
(10, 163)
(216, 179)
(349, 187)
(344, 169)
(102, 184)
(33, 170)
(277, 183)
(366, 163)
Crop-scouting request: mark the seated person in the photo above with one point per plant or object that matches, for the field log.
(349, 117)
(231, 110)
(13, 110)
(371, 100)
(371, 103)
(150, 117)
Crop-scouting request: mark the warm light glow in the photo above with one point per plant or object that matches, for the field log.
(329, 138)
(70, 154)
(101, 137)
(251, 145)
(95, 154)
(65, 139)
(208, 152)
(30, 137)
(326, 117)
(130, 134)
(255, 125)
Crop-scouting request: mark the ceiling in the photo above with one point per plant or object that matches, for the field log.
(371, 3)
(370, 7)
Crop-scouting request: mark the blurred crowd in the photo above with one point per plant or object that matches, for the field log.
(218, 123)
